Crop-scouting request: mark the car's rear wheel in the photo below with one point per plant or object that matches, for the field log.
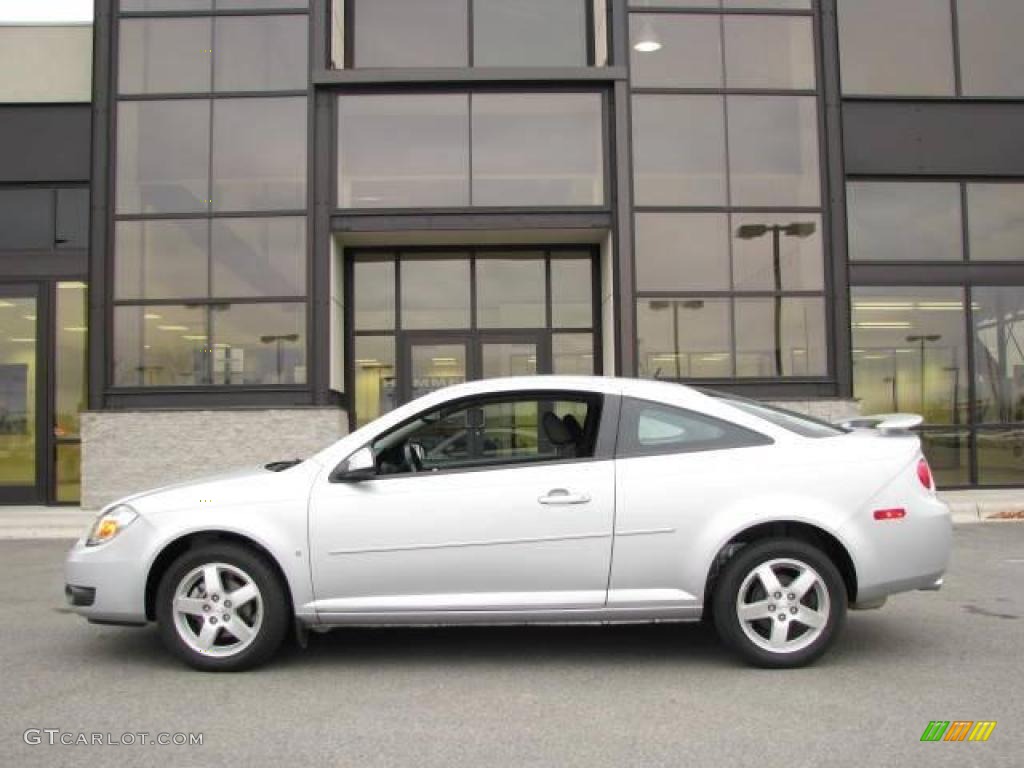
(222, 608)
(779, 603)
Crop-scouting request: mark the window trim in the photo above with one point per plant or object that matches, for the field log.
(623, 450)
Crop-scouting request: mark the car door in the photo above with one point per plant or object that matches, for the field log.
(502, 515)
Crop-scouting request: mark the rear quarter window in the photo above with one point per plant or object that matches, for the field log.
(649, 428)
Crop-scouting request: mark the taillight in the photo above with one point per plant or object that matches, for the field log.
(924, 474)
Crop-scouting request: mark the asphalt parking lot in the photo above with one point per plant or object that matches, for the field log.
(555, 696)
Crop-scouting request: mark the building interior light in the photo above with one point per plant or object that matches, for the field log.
(5, 304)
(21, 340)
(172, 327)
(194, 337)
(75, 328)
(443, 360)
(151, 316)
(880, 325)
(647, 41)
(647, 46)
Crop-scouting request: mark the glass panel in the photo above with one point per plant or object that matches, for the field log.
(991, 56)
(784, 336)
(160, 346)
(434, 366)
(163, 156)
(375, 392)
(410, 33)
(948, 454)
(529, 33)
(794, 239)
(760, 4)
(69, 472)
(247, 5)
(995, 221)
(674, 3)
(909, 349)
(72, 218)
(259, 344)
(435, 293)
(259, 154)
(912, 221)
(679, 150)
(773, 150)
(164, 56)
(261, 53)
(896, 48)
(1000, 456)
(675, 51)
(403, 151)
(998, 315)
(70, 358)
(682, 251)
(18, 360)
(166, 5)
(510, 293)
(26, 219)
(769, 52)
(374, 295)
(684, 339)
(508, 360)
(537, 149)
(572, 293)
(259, 257)
(572, 354)
(163, 259)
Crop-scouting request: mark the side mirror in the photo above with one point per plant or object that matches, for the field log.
(358, 467)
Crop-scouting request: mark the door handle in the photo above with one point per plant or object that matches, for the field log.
(560, 496)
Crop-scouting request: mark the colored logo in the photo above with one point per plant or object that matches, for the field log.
(958, 730)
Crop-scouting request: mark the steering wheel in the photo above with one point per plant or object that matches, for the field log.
(413, 454)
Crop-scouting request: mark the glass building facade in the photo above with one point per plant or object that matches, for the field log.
(341, 205)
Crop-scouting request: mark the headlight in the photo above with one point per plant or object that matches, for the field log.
(111, 523)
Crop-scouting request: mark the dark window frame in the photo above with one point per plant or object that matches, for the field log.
(836, 367)
(348, 10)
(477, 336)
(455, 88)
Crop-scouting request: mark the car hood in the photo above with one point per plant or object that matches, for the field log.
(237, 487)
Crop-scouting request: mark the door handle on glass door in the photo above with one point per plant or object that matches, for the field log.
(558, 496)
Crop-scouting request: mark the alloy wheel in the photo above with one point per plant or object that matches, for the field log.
(783, 605)
(218, 609)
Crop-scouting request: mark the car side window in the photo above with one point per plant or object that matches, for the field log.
(648, 428)
(492, 431)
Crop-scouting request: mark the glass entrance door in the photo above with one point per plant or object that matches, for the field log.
(20, 381)
(434, 362)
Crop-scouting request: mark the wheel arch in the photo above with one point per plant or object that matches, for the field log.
(811, 534)
(175, 548)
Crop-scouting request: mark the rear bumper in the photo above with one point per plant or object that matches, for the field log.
(901, 555)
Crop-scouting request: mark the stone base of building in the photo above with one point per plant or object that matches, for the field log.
(124, 452)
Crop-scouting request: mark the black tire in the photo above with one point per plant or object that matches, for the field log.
(275, 614)
(725, 609)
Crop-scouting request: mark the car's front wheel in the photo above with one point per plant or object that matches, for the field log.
(779, 603)
(222, 608)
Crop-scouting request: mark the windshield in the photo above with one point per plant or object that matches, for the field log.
(806, 426)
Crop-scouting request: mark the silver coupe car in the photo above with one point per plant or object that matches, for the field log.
(533, 500)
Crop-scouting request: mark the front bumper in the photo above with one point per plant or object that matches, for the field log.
(113, 575)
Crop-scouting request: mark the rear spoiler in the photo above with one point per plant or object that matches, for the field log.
(886, 423)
